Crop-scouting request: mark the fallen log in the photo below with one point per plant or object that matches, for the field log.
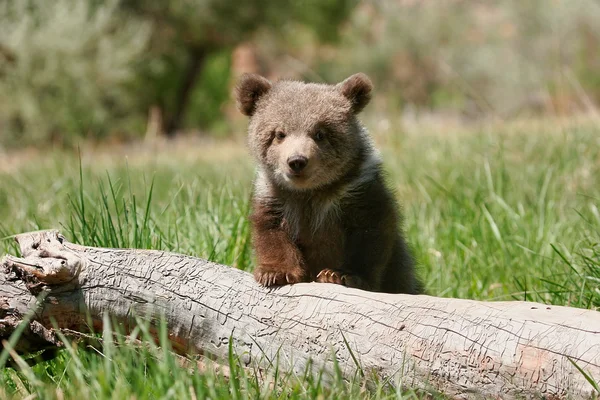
(462, 348)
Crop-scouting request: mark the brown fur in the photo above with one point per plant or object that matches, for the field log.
(321, 210)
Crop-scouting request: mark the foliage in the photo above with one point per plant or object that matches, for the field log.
(187, 33)
(91, 68)
(66, 69)
(95, 68)
(501, 58)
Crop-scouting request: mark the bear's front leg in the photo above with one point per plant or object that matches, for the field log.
(277, 275)
(280, 261)
(341, 277)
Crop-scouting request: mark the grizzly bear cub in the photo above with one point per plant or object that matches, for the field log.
(321, 210)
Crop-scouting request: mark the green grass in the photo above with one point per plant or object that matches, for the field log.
(504, 213)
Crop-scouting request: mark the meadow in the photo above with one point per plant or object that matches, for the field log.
(502, 211)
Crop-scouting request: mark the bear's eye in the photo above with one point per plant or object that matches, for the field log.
(320, 135)
(280, 135)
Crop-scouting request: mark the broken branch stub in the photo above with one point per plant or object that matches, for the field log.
(462, 348)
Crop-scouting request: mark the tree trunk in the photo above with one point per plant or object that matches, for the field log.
(197, 57)
(462, 348)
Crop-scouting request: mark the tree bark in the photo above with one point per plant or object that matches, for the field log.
(197, 57)
(463, 348)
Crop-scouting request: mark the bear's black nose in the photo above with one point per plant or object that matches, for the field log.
(297, 163)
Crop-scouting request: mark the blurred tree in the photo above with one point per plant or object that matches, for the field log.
(187, 33)
(472, 58)
(71, 68)
(66, 70)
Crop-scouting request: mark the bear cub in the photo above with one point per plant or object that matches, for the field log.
(321, 210)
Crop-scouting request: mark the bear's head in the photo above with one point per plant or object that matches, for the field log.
(304, 135)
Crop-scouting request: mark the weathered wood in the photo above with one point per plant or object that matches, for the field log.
(463, 348)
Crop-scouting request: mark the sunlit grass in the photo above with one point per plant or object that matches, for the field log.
(115, 366)
(510, 213)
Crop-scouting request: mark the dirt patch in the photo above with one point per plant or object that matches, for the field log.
(185, 149)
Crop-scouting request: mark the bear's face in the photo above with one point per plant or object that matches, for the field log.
(304, 135)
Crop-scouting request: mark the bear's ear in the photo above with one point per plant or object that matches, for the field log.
(357, 89)
(248, 90)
